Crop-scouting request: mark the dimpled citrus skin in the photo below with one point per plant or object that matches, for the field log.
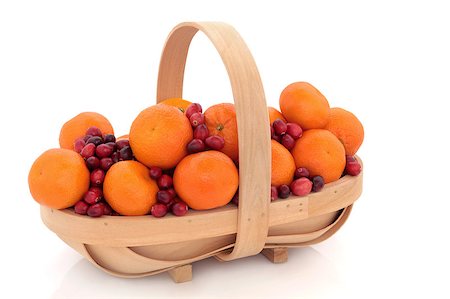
(303, 104)
(206, 180)
(321, 153)
(347, 128)
(77, 126)
(128, 188)
(159, 136)
(58, 178)
(283, 165)
(274, 114)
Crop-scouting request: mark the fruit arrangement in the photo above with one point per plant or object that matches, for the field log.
(147, 173)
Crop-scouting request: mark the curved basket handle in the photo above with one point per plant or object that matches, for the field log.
(252, 123)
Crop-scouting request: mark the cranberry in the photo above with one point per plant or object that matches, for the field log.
(92, 163)
(164, 197)
(272, 132)
(172, 192)
(165, 182)
(301, 172)
(94, 131)
(115, 157)
(301, 186)
(122, 143)
(279, 126)
(353, 168)
(179, 208)
(103, 151)
(91, 197)
(112, 145)
(88, 150)
(158, 210)
(288, 141)
(273, 193)
(193, 108)
(78, 145)
(317, 183)
(235, 198)
(201, 132)
(294, 130)
(349, 158)
(86, 137)
(107, 210)
(283, 191)
(215, 142)
(126, 153)
(195, 146)
(96, 210)
(95, 140)
(109, 138)
(197, 119)
(277, 138)
(155, 172)
(81, 207)
(98, 191)
(97, 177)
(106, 163)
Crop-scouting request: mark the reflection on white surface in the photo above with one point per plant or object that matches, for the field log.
(305, 274)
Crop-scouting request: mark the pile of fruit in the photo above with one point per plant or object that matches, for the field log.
(148, 172)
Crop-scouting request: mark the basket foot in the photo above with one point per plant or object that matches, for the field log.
(181, 274)
(276, 255)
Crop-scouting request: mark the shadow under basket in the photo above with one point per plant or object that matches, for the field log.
(136, 246)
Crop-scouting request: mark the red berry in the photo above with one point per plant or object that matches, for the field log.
(179, 208)
(97, 140)
(122, 143)
(97, 177)
(98, 191)
(283, 191)
(193, 108)
(126, 153)
(272, 132)
(165, 182)
(279, 126)
(107, 210)
(164, 197)
(349, 158)
(86, 137)
(301, 172)
(294, 130)
(91, 197)
(92, 163)
(197, 119)
(112, 145)
(353, 168)
(273, 193)
(155, 172)
(172, 192)
(158, 210)
(288, 141)
(201, 132)
(277, 138)
(109, 138)
(88, 150)
(195, 146)
(81, 207)
(94, 131)
(115, 157)
(96, 210)
(215, 142)
(106, 163)
(301, 186)
(103, 151)
(79, 144)
(235, 198)
(317, 183)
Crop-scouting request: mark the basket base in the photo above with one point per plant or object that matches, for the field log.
(181, 274)
(276, 255)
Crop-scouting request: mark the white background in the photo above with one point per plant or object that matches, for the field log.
(387, 61)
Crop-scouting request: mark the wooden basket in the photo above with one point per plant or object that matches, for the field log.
(143, 245)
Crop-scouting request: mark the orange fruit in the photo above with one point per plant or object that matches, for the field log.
(221, 120)
(179, 103)
(128, 188)
(283, 165)
(77, 126)
(58, 178)
(159, 136)
(321, 153)
(347, 128)
(274, 114)
(303, 104)
(206, 180)
(123, 137)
